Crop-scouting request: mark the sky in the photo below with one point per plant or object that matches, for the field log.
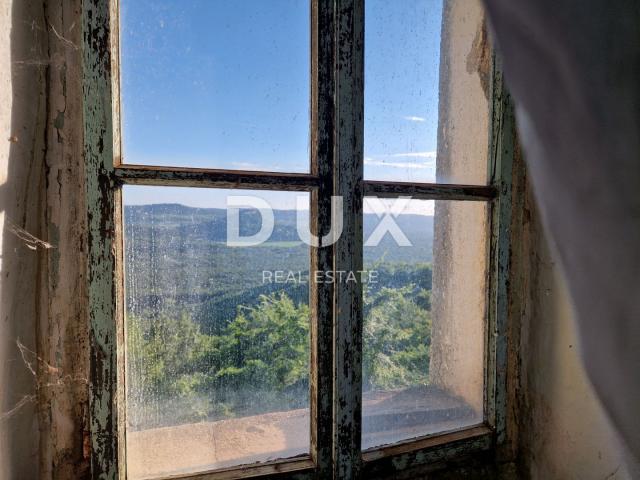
(225, 84)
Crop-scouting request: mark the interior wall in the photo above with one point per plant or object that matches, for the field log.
(460, 241)
(43, 322)
(564, 433)
(63, 336)
(22, 112)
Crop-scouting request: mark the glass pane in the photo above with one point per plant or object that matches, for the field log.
(216, 84)
(217, 349)
(406, 97)
(424, 318)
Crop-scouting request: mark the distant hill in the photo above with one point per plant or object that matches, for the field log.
(211, 223)
(176, 257)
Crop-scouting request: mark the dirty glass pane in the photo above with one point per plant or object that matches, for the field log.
(216, 84)
(424, 318)
(407, 93)
(217, 332)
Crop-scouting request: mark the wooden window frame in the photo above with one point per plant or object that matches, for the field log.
(336, 325)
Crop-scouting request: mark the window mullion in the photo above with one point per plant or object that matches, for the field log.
(501, 149)
(321, 293)
(103, 215)
(347, 175)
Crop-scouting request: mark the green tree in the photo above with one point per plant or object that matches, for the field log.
(165, 360)
(266, 348)
(397, 338)
(260, 361)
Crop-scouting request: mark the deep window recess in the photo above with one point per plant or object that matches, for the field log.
(298, 249)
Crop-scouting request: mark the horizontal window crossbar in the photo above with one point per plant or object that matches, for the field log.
(429, 191)
(211, 178)
(241, 179)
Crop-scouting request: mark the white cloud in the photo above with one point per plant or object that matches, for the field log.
(416, 165)
(385, 160)
(413, 118)
(414, 154)
(246, 165)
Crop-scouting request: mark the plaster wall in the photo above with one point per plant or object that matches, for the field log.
(22, 111)
(44, 390)
(556, 428)
(460, 239)
(564, 433)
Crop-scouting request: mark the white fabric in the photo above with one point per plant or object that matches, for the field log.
(573, 68)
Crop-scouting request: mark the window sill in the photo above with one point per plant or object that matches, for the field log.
(390, 417)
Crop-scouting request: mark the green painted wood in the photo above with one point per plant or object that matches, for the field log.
(337, 168)
(200, 177)
(321, 301)
(501, 160)
(424, 459)
(295, 469)
(429, 191)
(98, 134)
(348, 175)
(413, 455)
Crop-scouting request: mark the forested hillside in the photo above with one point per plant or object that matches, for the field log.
(208, 338)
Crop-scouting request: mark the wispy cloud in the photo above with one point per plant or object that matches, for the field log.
(413, 118)
(274, 167)
(414, 155)
(393, 164)
(246, 165)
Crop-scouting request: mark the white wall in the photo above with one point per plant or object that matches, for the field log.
(43, 300)
(460, 239)
(557, 428)
(564, 433)
(21, 181)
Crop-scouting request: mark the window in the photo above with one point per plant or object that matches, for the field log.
(298, 219)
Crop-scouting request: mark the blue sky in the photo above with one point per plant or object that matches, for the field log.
(225, 84)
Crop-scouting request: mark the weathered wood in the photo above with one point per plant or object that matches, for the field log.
(429, 191)
(321, 300)
(501, 157)
(336, 325)
(387, 462)
(438, 449)
(347, 179)
(101, 204)
(203, 177)
(116, 107)
(426, 443)
(293, 469)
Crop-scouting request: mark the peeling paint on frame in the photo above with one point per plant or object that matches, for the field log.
(337, 77)
(101, 205)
